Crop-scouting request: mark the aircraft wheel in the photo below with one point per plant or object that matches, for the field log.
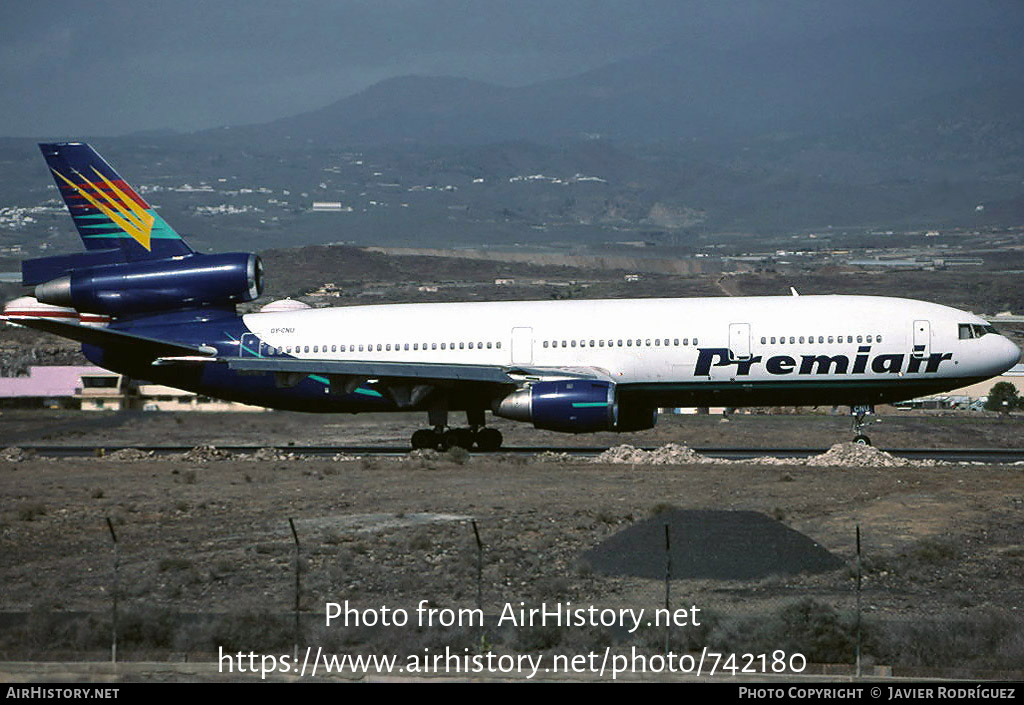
(862, 440)
(488, 439)
(459, 437)
(424, 438)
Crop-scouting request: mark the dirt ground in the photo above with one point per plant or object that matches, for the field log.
(889, 429)
(213, 537)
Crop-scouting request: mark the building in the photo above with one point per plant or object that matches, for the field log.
(54, 387)
(91, 388)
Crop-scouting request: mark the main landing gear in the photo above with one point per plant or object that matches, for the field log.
(441, 437)
(859, 412)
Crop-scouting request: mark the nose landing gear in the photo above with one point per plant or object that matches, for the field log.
(859, 412)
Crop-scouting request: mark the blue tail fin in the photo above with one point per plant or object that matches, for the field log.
(108, 213)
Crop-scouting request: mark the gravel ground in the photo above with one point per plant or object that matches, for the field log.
(207, 532)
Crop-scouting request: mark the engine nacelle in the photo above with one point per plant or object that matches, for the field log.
(158, 285)
(573, 406)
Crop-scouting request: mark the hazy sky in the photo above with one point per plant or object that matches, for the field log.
(102, 67)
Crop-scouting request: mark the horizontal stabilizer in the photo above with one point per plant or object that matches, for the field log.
(142, 346)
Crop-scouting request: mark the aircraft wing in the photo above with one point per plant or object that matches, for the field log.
(406, 383)
(425, 372)
(417, 371)
(144, 346)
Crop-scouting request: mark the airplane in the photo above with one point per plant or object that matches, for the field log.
(144, 304)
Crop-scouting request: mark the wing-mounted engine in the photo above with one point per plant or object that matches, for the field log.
(124, 288)
(574, 406)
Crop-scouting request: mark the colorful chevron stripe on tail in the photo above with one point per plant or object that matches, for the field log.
(108, 213)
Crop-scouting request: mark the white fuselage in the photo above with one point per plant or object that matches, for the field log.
(644, 341)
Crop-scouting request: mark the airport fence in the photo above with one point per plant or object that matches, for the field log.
(870, 613)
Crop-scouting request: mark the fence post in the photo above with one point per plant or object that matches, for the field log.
(857, 652)
(298, 586)
(479, 580)
(668, 582)
(117, 587)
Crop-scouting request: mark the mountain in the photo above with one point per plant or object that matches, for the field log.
(693, 91)
(865, 129)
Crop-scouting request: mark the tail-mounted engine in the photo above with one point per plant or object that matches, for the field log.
(574, 406)
(192, 281)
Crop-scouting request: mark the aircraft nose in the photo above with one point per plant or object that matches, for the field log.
(1009, 354)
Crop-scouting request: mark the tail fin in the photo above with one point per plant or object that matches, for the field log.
(108, 213)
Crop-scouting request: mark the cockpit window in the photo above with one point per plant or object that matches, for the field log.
(974, 330)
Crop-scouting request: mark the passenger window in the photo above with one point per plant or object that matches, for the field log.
(629, 343)
(545, 343)
(442, 346)
(488, 346)
(471, 345)
(675, 342)
(620, 343)
(801, 339)
(686, 341)
(498, 345)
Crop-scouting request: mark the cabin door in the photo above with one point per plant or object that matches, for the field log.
(522, 346)
(922, 338)
(739, 341)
